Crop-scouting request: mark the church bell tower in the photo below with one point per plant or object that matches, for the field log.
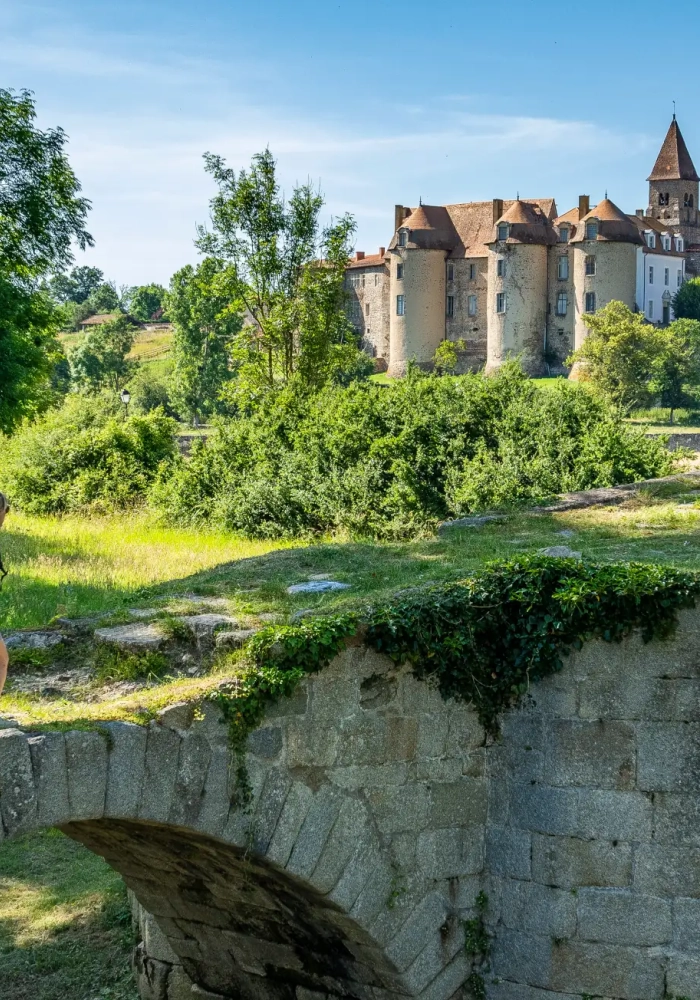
(673, 193)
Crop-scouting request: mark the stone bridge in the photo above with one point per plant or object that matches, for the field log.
(379, 814)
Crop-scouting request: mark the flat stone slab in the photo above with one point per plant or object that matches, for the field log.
(143, 612)
(610, 495)
(316, 587)
(33, 640)
(82, 626)
(137, 636)
(204, 626)
(477, 521)
(234, 639)
(212, 602)
(560, 552)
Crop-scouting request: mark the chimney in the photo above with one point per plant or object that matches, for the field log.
(359, 255)
(584, 205)
(639, 213)
(497, 209)
(399, 216)
(382, 251)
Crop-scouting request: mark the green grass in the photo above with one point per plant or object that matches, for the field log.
(381, 378)
(65, 929)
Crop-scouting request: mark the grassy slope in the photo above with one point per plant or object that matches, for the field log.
(64, 923)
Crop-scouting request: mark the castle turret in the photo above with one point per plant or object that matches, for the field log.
(517, 283)
(605, 263)
(417, 286)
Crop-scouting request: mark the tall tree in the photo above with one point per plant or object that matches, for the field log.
(619, 354)
(101, 362)
(206, 315)
(76, 286)
(41, 216)
(686, 302)
(286, 271)
(145, 302)
(676, 370)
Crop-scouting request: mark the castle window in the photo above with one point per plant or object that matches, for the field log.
(399, 272)
(363, 281)
(501, 302)
(471, 305)
(667, 276)
(376, 280)
(560, 331)
(500, 267)
(592, 229)
(450, 305)
(403, 237)
(562, 304)
(651, 275)
(687, 201)
(400, 305)
(650, 309)
(472, 272)
(590, 302)
(564, 234)
(367, 309)
(503, 230)
(663, 199)
(450, 272)
(563, 267)
(590, 265)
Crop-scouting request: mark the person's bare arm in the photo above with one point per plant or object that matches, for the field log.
(3, 664)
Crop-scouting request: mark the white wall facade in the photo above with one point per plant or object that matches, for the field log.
(659, 276)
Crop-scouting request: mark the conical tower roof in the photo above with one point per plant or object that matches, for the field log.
(673, 162)
(614, 225)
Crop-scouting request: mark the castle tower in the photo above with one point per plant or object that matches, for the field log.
(605, 263)
(674, 190)
(417, 286)
(517, 287)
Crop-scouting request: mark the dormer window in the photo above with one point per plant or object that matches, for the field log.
(666, 240)
(679, 244)
(651, 241)
(503, 228)
(403, 237)
(592, 229)
(564, 234)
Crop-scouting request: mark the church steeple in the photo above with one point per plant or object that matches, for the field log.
(674, 162)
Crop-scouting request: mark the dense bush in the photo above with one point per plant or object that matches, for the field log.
(85, 457)
(390, 461)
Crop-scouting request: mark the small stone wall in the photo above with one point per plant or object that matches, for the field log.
(379, 813)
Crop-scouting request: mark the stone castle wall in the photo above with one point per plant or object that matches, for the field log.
(378, 813)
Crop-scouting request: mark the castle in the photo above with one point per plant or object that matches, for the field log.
(509, 278)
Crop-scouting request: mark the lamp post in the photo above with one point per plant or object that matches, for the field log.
(126, 399)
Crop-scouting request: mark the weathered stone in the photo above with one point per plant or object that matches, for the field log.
(618, 917)
(339, 848)
(218, 789)
(429, 916)
(179, 985)
(458, 803)
(314, 832)
(311, 746)
(611, 696)
(51, 779)
(127, 762)
(358, 870)
(204, 626)
(157, 789)
(151, 976)
(193, 766)
(265, 742)
(607, 970)
(568, 863)
(560, 552)
(234, 638)
(317, 587)
(18, 796)
(601, 754)
(138, 636)
(525, 958)
(543, 809)
(449, 981)
(683, 977)
(538, 909)
(441, 947)
(296, 806)
(179, 716)
(610, 815)
(376, 740)
(399, 807)
(475, 521)
(508, 852)
(661, 870)
(669, 756)
(686, 923)
(449, 853)
(33, 640)
(269, 808)
(86, 762)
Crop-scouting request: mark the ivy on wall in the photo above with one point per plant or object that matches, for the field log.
(483, 640)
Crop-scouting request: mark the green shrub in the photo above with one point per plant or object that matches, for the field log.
(85, 457)
(392, 461)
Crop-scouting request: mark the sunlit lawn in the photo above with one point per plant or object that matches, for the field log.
(64, 923)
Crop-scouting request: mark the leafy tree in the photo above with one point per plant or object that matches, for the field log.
(146, 301)
(76, 286)
(677, 367)
(619, 354)
(103, 299)
(41, 215)
(686, 301)
(447, 356)
(101, 361)
(203, 308)
(286, 272)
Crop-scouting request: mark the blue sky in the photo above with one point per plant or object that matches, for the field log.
(378, 102)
